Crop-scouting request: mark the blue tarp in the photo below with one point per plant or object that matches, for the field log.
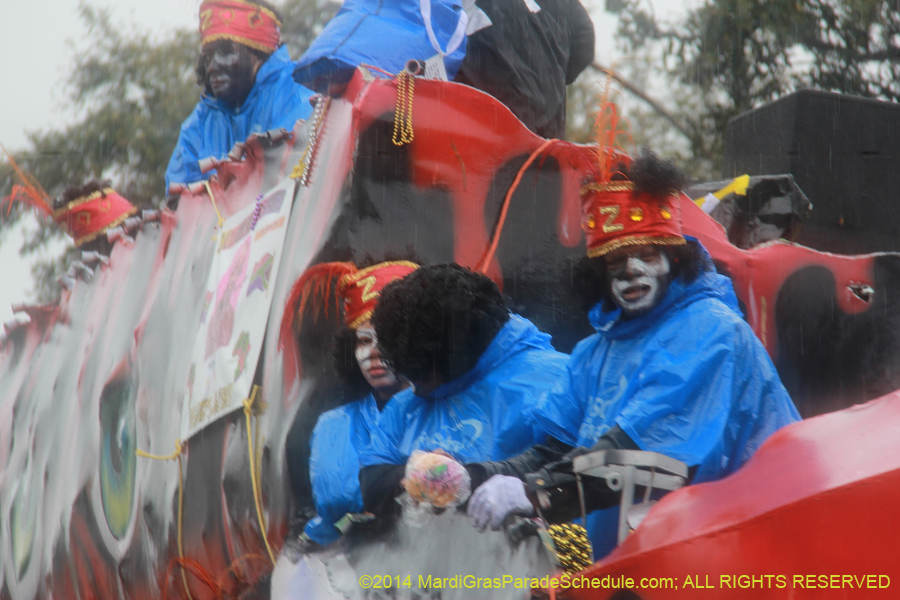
(689, 380)
(383, 33)
(483, 415)
(213, 128)
(338, 437)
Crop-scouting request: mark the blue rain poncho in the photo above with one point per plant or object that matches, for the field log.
(213, 128)
(385, 35)
(483, 415)
(338, 437)
(689, 380)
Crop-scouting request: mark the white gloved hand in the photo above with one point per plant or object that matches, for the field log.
(499, 496)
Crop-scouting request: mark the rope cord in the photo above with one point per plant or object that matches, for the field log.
(254, 471)
(379, 69)
(175, 455)
(187, 590)
(213, 200)
(488, 255)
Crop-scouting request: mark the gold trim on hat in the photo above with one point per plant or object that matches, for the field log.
(262, 9)
(635, 240)
(357, 275)
(361, 319)
(612, 186)
(239, 40)
(56, 214)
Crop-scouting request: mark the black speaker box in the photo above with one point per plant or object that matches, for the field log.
(844, 153)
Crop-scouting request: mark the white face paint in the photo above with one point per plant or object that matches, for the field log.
(638, 280)
(368, 356)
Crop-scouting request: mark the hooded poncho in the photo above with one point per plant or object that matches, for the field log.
(482, 415)
(338, 437)
(689, 379)
(275, 101)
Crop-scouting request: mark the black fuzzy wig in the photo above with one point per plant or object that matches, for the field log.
(100, 243)
(75, 192)
(651, 174)
(435, 323)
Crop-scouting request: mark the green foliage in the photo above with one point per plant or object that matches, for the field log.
(723, 57)
(644, 122)
(729, 56)
(303, 21)
(132, 93)
(857, 47)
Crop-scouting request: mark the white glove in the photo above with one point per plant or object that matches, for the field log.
(499, 496)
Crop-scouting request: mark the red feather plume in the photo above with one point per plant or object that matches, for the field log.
(28, 190)
(314, 285)
(608, 129)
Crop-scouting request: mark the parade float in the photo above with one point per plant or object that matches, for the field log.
(146, 418)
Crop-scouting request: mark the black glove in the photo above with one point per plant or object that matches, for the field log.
(520, 465)
(556, 489)
(615, 439)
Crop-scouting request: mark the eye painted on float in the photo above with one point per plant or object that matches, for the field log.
(118, 462)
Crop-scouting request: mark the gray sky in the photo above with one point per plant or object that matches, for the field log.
(38, 43)
(36, 52)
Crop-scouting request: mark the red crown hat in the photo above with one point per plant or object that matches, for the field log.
(84, 218)
(360, 290)
(618, 210)
(90, 216)
(616, 214)
(240, 21)
(356, 290)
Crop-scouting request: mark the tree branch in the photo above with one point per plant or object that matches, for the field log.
(656, 106)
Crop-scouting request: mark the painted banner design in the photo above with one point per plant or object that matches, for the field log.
(235, 309)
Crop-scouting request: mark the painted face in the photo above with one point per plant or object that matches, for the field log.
(638, 277)
(368, 356)
(230, 71)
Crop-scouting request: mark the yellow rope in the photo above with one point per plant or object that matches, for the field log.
(187, 590)
(213, 200)
(258, 450)
(254, 472)
(403, 130)
(173, 456)
(177, 454)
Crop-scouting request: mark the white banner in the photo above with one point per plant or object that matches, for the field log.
(235, 309)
